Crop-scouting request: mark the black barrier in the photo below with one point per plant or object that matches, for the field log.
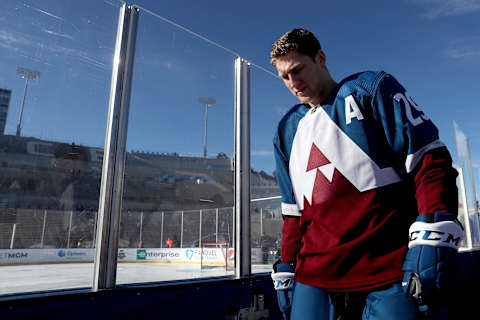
(209, 299)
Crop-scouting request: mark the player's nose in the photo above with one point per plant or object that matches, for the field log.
(295, 80)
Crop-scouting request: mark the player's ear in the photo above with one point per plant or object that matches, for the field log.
(321, 58)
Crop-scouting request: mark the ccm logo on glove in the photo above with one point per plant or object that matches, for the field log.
(439, 234)
(283, 280)
(282, 284)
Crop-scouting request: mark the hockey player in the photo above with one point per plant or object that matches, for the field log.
(369, 198)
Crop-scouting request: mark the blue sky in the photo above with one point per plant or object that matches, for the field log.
(431, 46)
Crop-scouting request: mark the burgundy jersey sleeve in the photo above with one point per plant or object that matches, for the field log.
(435, 182)
(291, 238)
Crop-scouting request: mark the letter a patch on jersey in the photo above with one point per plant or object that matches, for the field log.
(352, 110)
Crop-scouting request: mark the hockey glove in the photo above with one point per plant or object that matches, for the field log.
(431, 259)
(284, 283)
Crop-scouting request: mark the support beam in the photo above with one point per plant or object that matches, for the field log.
(111, 187)
(242, 169)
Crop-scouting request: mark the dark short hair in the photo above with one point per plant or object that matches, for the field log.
(300, 40)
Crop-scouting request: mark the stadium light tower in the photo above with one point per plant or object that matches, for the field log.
(208, 102)
(26, 74)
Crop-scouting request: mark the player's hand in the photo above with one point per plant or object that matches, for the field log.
(283, 281)
(430, 264)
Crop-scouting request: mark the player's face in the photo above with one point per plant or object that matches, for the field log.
(303, 76)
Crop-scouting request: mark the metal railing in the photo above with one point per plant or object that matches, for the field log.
(40, 229)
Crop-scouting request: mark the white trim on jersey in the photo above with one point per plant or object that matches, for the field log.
(345, 155)
(414, 158)
(289, 209)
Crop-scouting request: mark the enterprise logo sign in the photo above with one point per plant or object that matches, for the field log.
(152, 254)
(141, 254)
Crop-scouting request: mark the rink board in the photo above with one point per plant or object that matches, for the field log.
(155, 255)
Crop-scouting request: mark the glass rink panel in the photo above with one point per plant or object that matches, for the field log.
(467, 215)
(56, 65)
(270, 100)
(177, 206)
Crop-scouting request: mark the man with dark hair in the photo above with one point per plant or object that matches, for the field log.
(369, 195)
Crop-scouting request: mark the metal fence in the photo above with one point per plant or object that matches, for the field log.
(34, 228)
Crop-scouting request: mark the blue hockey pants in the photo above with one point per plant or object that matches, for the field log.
(388, 303)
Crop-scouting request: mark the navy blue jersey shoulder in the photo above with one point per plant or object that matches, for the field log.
(362, 83)
(287, 127)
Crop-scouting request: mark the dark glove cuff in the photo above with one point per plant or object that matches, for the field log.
(279, 266)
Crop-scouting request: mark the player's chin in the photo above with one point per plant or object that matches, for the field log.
(304, 99)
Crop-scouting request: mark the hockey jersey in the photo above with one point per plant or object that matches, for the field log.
(354, 172)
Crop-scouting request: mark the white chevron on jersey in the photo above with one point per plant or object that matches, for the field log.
(327, 171)
(348, 158)
(308, 180)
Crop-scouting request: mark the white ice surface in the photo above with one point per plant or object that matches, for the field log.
(33, 278)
